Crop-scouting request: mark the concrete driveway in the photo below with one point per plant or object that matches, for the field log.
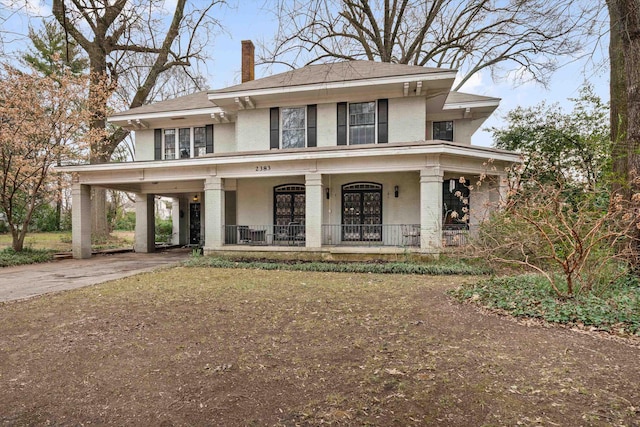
(26, 281)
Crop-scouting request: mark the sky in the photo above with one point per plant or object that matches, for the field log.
(249, 20)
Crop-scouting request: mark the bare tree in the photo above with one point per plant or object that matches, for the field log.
(112, 33)
(527, 36)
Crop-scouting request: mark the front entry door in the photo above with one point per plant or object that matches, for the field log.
(362, 212)
(194, 223)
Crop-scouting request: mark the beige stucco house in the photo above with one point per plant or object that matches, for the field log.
(349, 157)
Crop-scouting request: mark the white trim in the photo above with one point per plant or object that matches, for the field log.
(376, 81)
(471, 104)
(164, 114)
(372, 150)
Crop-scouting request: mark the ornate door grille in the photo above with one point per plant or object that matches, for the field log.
(362, 212)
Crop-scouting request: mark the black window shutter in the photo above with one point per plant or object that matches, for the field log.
(274, 134)
(208, 135)
(342, 123)
(157, 144)
(383, 121)
(312, 132)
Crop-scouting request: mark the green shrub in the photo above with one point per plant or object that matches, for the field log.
(126, 222)
(439, 268)
(617, 308)
(164, 230)
(9, 257)
(44, 219)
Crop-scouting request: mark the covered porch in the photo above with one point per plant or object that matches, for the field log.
(393, 199)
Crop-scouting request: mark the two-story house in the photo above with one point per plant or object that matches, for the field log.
(348, 157)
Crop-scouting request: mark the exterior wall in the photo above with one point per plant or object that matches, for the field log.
(327, 125)
(463, 129)
(402, 210)
(252, 130)
(224, 137)
(144, 144)
(255, 198)
(407, 119)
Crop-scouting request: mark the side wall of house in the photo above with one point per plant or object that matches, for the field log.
(406, 119)
(144, 144)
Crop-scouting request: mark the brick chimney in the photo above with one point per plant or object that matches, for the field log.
(248, 72)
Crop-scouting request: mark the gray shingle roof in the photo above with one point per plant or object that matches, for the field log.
(193, 101)
(311, 74)
(331, 73)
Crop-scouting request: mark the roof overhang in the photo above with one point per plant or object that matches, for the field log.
(395, 86)
(143, 120)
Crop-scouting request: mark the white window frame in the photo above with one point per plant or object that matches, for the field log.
(375, 121)
(176, 147)
(281, 124)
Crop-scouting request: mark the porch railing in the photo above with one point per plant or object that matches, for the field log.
(401, 235)
(294, 234)
(455, 235)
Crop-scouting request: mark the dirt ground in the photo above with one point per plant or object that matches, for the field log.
(243, 347)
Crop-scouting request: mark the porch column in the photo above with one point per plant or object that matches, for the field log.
(175, 221)
(183, 203)
(313, 212)
(81, 220)
(431, 209)
(213, 213)
(145, 239)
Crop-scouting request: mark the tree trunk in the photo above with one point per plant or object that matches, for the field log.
(618, 109)
(625, 15)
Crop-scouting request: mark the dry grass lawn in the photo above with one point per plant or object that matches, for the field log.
(192, 346)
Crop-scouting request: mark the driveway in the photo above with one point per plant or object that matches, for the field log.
(26, 281)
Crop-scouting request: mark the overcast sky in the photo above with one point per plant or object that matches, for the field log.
(249, 20)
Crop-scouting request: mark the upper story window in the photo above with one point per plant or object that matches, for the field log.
(183, 143)
(443, 130)
(293, 127)
(169, 144)
(199, 142)
(362, 123)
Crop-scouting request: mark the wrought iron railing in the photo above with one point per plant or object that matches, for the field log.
(401, 235)
(455, 235)
(292, 234)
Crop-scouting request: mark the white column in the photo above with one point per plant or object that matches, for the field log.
(313, 210)
(81, 220)
(175, 221)
(183, 202)
(431, 209)
(213, 213)
(145, 224)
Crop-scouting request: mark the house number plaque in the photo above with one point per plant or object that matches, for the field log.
(263, 168)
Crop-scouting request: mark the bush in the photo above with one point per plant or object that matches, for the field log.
(45, 219)
(126, 222)
(440, 268)
(164, 230)
(617, 309)
(9, 257)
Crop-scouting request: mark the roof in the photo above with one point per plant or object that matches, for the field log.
(333, 72)
(311, 74)
(460, 97)
(193, 101)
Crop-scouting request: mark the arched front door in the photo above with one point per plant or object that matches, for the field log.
(362, 211)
